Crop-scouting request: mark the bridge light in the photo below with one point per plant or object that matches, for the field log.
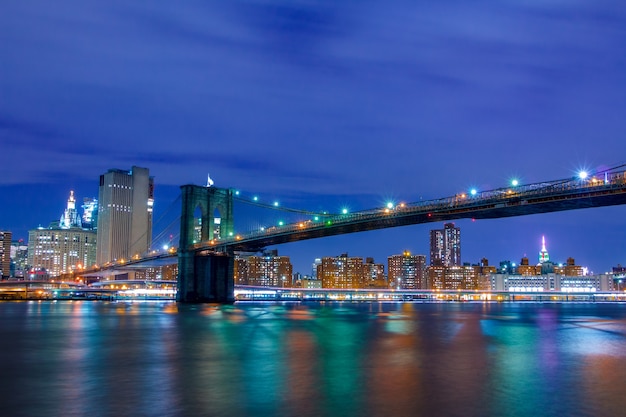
(230, 233)
(275, 203)
(514, 183)
(255, 198)
(281, 223)
(316, 218)
(390, 205)
(165, 247)
(344, 211)
(262, 229)
(236, 192)
(582, 175)
(473, 191)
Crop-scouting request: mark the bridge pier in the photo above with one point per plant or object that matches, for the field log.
(205, 278)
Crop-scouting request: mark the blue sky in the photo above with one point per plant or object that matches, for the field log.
(320, 103)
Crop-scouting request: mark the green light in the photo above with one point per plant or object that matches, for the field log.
(230, 233)
(316, 218)
(329, 223)
(281, 223)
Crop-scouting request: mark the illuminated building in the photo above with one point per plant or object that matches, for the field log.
(19, 259)
(158, 273)
(269, 270)
(64, 246)
(551, 282)
(482, 273)
(5, 254)
(373, 274)
(126, 199)
(341, 272)
(240, 271)
(406, 271)
(571, 269)
(525, 269)
(445, 246)
(90, 213)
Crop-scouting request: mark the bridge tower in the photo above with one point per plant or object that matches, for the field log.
(205, 277)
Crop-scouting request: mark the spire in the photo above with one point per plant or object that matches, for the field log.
(543, 255)
(209, 181)
(70, 216)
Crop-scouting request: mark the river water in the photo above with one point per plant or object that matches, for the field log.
(362, 359)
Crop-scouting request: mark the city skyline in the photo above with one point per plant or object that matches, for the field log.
(446, 226)
(320, 105)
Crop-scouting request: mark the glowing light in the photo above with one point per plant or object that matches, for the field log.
(230, 233)
(255, 198)
(237, 192)
(344, 211)
(165, 247)
(473, 191)
(316, 218)
(514, 183)
(281, 223)
(390, 205)
(275, 203)
(582, 175)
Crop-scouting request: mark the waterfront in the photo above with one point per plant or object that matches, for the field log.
(317, 359)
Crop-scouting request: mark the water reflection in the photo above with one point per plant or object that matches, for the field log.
(375, 359)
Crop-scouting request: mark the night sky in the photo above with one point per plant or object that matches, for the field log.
(320, 104)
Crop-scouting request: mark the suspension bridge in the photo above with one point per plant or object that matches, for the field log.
(208, 239)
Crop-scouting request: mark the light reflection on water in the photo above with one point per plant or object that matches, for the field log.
(362, 359)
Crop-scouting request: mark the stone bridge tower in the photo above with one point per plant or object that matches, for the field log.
(205, 277)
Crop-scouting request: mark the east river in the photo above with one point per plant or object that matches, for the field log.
(342, 359)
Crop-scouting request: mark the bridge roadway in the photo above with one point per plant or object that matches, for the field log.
(605, 190)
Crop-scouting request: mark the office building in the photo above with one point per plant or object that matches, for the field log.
(5, 254)
(552, 282)
(62, 247)
(125, 202)
(406, 271)
(90, 213)
(445, 246)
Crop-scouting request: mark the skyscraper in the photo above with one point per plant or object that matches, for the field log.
(445, 246)
(341, 272)
(125, 201)
(5, 254)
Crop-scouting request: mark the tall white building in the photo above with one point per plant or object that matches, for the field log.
(445, 246)
(125, 202)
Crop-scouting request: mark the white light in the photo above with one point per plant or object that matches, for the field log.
(582, 175)
(165, 247)
(473, 191)
(275, 203)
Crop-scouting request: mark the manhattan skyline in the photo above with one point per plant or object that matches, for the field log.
(321, 105)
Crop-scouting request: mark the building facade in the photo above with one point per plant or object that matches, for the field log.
(341, 272)
(125, 203)
(445, 246)
(62, 247)
(406, 271)
(5, 254)
(268, 270)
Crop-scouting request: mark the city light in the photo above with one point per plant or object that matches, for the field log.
(275, 203)
(514, 183)
(390, 205)
(281, 223)
(583, 175)
(473, 191)
(344, 211)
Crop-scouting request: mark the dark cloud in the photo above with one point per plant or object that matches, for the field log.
(403, 99)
